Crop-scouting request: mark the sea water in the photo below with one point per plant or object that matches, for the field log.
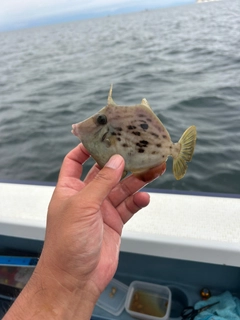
(184, 60)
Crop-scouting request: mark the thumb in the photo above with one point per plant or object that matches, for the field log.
(107, 178)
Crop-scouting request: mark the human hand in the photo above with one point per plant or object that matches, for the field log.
(86, 218)
(84, 225)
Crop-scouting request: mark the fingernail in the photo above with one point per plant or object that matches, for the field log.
(114, 162)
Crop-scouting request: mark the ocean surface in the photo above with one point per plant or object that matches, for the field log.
(184, 60)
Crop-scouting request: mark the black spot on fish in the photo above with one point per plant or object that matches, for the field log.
(141, 115)
(118, 128)
(170, 147)
(137, 133)
(113, 133)
(164, 136)
(119, 134)
(119, 139)
(159, 145)
(143, 142)
(144, 126)
(154, 134)
(125, 145)
(149, 120)
(140, 150)
(131, 127)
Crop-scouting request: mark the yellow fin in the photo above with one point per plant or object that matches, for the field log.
(145, 103)
(110, 99)
(187, 143)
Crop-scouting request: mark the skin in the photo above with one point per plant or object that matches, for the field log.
(81, 248)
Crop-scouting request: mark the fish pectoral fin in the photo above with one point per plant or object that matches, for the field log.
(150, 174)
(111, 141)
(110, 99)
(187, 143)
(145, 103)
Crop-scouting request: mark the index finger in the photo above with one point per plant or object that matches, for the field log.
(72, 163)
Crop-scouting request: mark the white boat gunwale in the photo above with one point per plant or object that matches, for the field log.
(23, 210)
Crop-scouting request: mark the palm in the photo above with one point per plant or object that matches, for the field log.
(107, 219)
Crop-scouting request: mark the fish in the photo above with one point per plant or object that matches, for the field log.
(139, 136)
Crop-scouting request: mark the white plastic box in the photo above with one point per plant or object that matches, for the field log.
(113, 297)
(148, 301)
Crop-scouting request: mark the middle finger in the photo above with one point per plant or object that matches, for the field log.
(125, 188)
(132, 184)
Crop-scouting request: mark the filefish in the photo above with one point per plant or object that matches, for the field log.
(138, 135)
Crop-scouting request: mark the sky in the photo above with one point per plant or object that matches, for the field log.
(16, 14)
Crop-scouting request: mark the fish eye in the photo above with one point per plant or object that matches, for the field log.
(102, 119)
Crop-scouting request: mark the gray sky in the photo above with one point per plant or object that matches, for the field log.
(16, 14)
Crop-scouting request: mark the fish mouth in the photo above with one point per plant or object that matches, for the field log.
(74, 130)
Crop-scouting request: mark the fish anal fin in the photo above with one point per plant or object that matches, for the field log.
(124, 174)
(151, 174)
(187, 144)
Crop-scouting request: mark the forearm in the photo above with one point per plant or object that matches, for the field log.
(47, 299)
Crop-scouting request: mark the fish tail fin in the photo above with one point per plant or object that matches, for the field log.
(187, 143)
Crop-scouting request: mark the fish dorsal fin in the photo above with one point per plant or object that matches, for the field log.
(110, 99)
(145, 103)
